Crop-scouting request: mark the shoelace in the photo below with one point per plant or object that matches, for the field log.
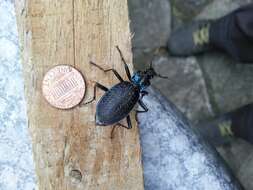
(225, 128)
(201, 36)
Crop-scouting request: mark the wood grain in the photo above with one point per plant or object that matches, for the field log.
(70, 152)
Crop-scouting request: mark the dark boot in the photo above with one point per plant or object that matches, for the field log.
(238, 123)
(218, 130)
(191, 39)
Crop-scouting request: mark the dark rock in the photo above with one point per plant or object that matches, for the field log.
(220, 8)
(229, 85)
(185, 86)
(186, 9)
(239, 156)
(246, 172)
(174, 155)
(150, 23)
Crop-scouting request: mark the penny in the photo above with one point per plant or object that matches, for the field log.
(63, 87)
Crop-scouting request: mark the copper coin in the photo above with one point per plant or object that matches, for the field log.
(63, 87)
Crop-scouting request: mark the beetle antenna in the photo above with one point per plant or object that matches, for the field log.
(157, 75)
(151, 64)
(163, 77)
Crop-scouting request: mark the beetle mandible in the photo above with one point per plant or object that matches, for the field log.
(119, 100)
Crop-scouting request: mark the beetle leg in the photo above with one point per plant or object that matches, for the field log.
(125, 64)
(119, 124)
(97, 85)
(143, 106)
(107, 70)
(129, 122)
(112, 131)
(143, 93)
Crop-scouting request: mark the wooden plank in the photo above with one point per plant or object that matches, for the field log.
(70, 152)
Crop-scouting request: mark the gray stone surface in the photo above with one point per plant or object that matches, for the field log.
(186, 9)
(185, 85)
(239, 155)
(150, 25)
(175, 157)
(16, 164)
(220, 8)
(230, 85)
(246, 172)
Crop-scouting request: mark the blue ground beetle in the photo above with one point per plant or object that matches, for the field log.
(118, 101)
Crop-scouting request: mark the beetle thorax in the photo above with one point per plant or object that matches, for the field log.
(142, 79)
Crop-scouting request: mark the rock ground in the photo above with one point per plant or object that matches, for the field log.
(185, 84)
(203, 86)
(150, 25)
